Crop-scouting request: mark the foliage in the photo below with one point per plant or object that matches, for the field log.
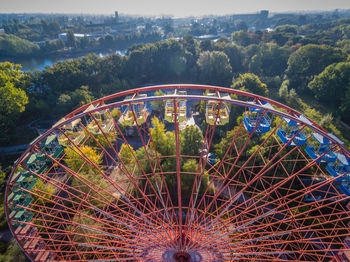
(250, 83)
(71, 40)
(45, 190)
(310, 60)
(242, 38)
(191, 140)
(88, 175)
(332, 86)
(164, 144)
(13, 253)
(269, 60)
(233, 52)
(126, 154)
(11, 45)
(158, 105)
(75, 160)
(12, 99)
(187, 180)
(214, 68)
(292, 29)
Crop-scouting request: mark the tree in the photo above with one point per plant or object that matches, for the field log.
(310, 60)
(12, 99)
(76, 162)
(158, 105)
(250, 83)
(164, 143)
(187, 180)
(191, 140)
(13, 253)
(269, 60)
(242, 38)
(331, 86)
(127, 153)
(81, 96)
(214, 68)
(89, 175)
(234, 53)
(283, 91)
(13, 46)
(291, 29)
(71, 40)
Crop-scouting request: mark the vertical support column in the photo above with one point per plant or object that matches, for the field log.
(178, 173)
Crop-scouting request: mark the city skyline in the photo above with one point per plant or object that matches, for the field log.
(180, 8)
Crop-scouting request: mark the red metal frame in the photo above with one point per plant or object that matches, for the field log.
(252, 208)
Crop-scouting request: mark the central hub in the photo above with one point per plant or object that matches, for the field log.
(182, 257)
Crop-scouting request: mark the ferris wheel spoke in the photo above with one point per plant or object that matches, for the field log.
(86, 182)
(83, 200)
(153, 167)
(130, 176)
(224, 187)
(281, 205)
(169, 203)
(108, 179)
(78, 194)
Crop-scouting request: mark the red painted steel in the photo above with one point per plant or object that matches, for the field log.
(262, 200)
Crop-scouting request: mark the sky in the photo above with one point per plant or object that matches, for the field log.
(176, 8)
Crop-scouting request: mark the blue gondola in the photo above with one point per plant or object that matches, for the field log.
(211, 158)
(339, 167)
(286, 133)
(255, 116)
(323, 143)
(345, 181)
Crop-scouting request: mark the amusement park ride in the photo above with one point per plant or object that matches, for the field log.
(268, 184)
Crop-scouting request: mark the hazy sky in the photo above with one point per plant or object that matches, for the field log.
(178, 8)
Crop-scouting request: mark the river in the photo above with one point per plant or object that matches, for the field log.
(32, 64)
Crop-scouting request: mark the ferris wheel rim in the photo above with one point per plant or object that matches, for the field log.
(80, 112)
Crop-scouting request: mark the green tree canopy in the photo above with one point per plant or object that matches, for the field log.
(77, 163)
(332, 86)
(214, 68)
(12, 99)
(269, 60)
(71, 40)
(250, 83)
(310, 60)
(158, 105)
(191, 140)
(13, 46)
(292, 29)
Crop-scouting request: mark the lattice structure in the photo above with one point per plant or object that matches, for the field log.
(89, 190)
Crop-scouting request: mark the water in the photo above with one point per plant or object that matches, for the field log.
(32, 64)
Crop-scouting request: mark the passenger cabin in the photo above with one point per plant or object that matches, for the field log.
(104, 121)
(339, 167)
(24, 182)
(20, 216)
(20, 199)
(51, 146)
(72, 131)
(318, 147)
(256, 119)
(170, 113)
(138, 108)
(37, 163)
(216, 110)
(290, 133)
(342, 169)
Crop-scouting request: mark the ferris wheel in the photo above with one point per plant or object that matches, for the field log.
(182, 173)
